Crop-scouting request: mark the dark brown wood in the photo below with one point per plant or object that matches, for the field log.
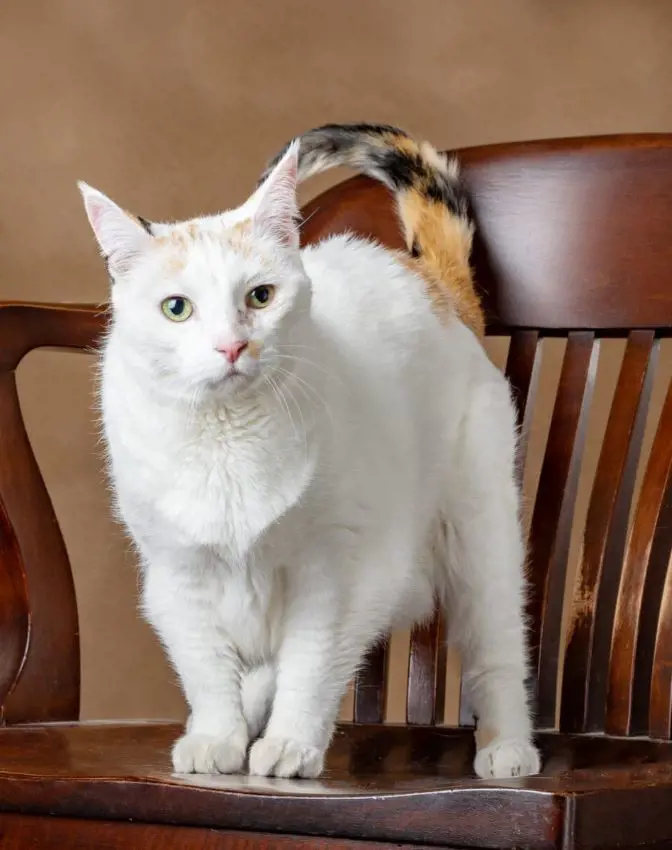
(53, 643)
(25, 327)
(49, 833)
(371, 686)
(522, 369)
(591, 620)
(383, 783)
(427, 660)
(625, 667)
(553, 515)
(660, 704)
(561, 229)
(657, 498)
(573, 241)
(14, 610)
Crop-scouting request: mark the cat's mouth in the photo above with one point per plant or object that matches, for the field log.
(230, 379)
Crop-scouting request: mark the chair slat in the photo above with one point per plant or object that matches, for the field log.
(655, 493)
(522, 370)
(14, 610)
(426, 690)
(634, 639)
(660, 703)
(553, 514)
(596, 588)
(46, 636)
(371, 686)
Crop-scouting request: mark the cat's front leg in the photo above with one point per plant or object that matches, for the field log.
(209, 667)
(314, 667)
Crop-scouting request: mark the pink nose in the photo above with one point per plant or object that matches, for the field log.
(233, 350)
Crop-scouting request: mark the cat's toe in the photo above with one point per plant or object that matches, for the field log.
(284, 757)
(503, 759)
(209, 754)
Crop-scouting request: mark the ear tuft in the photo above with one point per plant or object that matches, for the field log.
(277, 211)
(122, 239)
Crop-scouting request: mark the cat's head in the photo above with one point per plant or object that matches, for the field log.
(205, 306)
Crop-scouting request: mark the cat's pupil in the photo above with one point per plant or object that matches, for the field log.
(176, 306)
(261, 294)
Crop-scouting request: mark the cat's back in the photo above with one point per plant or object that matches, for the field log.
(362, 281)
(378, 309)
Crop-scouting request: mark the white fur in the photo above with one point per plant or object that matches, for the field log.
(288, 516)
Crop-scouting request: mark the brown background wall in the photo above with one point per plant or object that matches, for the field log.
(172, 107)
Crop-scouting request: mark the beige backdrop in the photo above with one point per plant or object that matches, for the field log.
(173, 106)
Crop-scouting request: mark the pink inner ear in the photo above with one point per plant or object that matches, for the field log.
(278, 210)
(96, 211)
(120, 237)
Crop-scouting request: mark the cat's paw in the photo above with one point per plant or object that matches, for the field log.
(194, 753)
(285, 758)
(506, 758)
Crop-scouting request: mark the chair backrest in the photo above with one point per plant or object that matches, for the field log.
(573, 242)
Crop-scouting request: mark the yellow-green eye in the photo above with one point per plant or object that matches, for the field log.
(260, 296)
(177, 308)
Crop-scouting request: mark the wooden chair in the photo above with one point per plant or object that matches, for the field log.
(575, 241)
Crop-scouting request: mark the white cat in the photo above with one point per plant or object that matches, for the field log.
(308, 447)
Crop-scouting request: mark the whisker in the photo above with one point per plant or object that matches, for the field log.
(300, 411)
(305, 221)
(280, 397)
(305, 387)
(306, 362)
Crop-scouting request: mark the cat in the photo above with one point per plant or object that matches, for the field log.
(308, 448)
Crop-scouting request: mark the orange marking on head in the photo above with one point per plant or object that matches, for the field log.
(254, 348)
(174, 263)
(239, 236)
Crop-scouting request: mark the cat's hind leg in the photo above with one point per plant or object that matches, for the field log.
(485, 588)
(258, 689)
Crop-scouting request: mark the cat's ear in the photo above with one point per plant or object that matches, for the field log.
(277, 209)
(122, 237)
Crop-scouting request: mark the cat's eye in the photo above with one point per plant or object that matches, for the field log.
(177, 308)
(260, 296)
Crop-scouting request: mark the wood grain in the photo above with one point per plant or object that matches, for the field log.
(553, 515)
(426, 687)
(48, 833)
(371, 686)
(598, 576)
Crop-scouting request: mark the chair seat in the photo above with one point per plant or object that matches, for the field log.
(384, 783)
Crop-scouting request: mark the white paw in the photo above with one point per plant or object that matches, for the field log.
(505, 758)
(283, 757)
(209, 754)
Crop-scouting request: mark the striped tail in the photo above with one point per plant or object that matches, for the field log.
(431, 203)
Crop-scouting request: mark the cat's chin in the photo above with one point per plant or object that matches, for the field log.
(231, 384)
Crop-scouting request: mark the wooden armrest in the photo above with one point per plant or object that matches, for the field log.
(39, 645)
(26, 326)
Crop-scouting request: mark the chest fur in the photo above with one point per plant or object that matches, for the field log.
(217, 482)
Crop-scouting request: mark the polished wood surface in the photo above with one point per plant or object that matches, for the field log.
(573, 241)
(552, 516)
(48, 643)
(561, 227)
(592, 616)
(18, 832)
(383, 783)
